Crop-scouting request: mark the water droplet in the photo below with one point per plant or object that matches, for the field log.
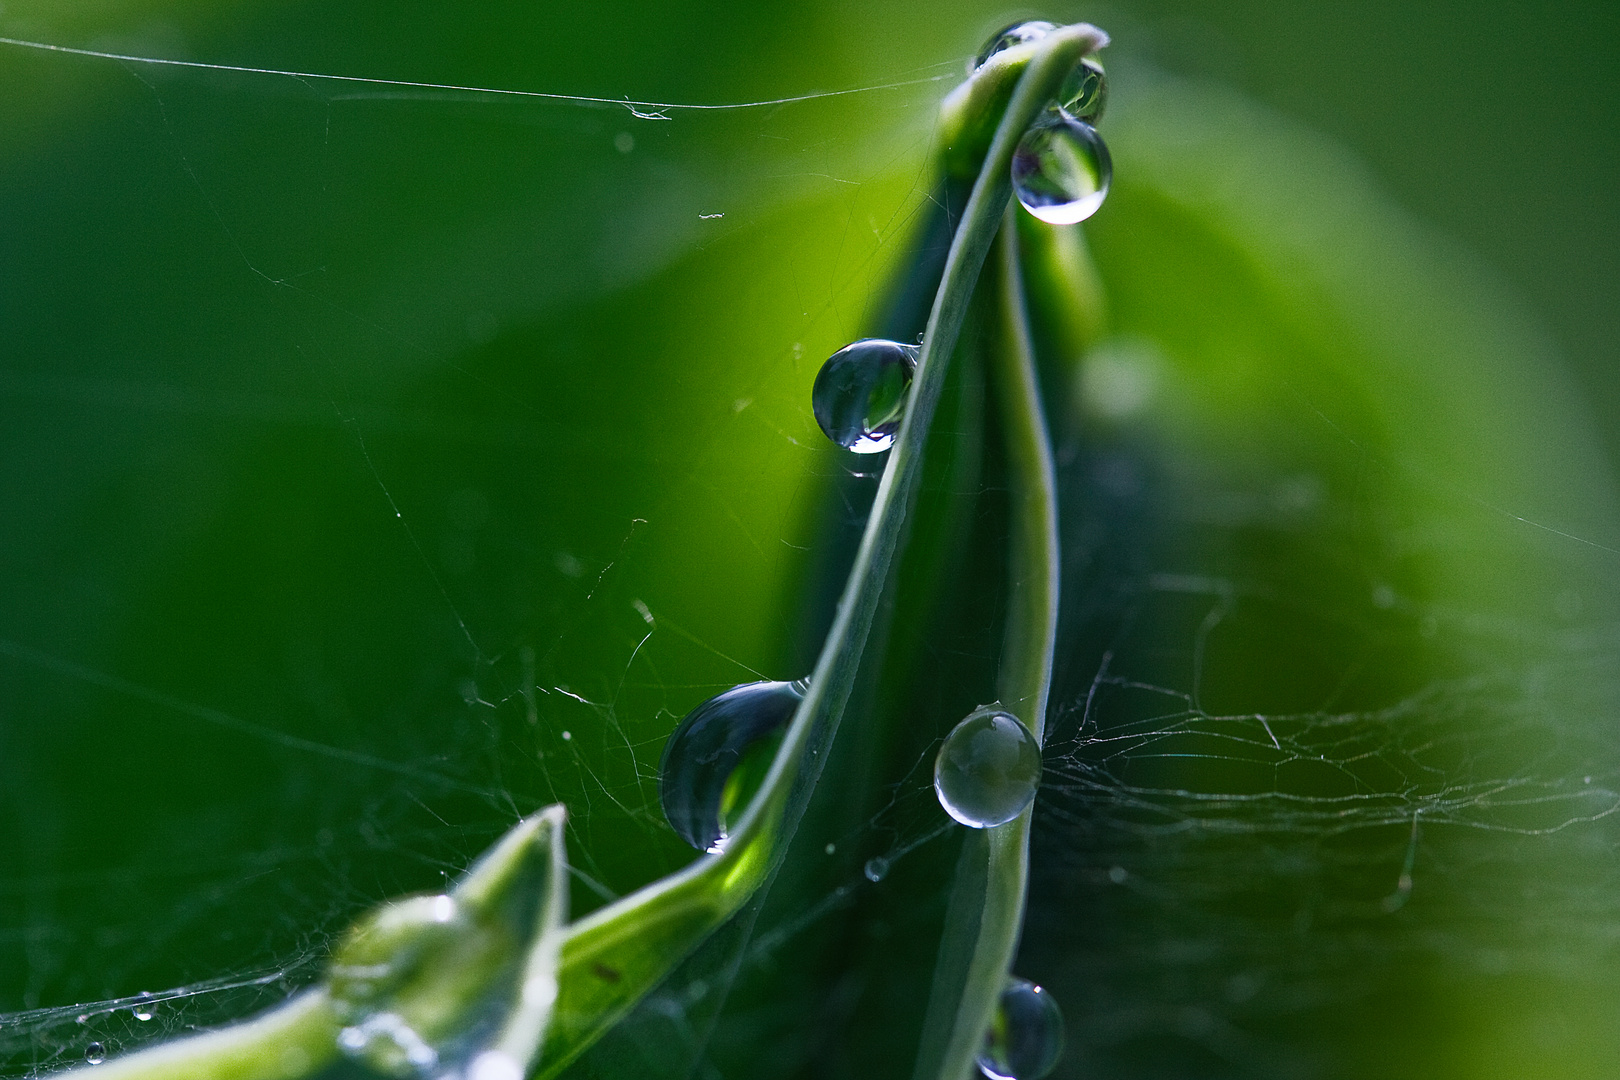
(718, 755)
(1061, 169)
(385, 950)
(860, 393)
(141, 1012)
(95, 1053)
(1019, 33)
(1025, 1038)
(988, 769)
(1084, 93)
(876, 869)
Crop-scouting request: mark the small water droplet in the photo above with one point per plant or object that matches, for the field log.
(988, 769)
(1084, 93)
(382, 952)
(1019, 33)
(1025, 1038)
(95, 1053)
(141, 1012)
(1061, 169)
(830, 848)
(1118, 874)
(860, 393)
(718, 755)
(876, 869)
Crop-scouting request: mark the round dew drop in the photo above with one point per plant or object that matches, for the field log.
(95, 1053)
(860, 393)
(988, 769)
(1061, 169)
(1025, 1038)
(1019, 33)
(718, 756)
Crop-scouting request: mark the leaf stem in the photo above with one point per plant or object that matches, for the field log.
(987, 899)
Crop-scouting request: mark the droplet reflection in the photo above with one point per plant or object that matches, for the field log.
(1085, 92)
(1025, 1038)
(1019, 33)
(988, 769)
(718, 755)
(1061, 169)
(860, 393)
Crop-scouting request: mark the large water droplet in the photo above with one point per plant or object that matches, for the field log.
(876, 869)
(382, 953)
(1061, 169)
(95, 1053)
(860, 393)
(1025, 1038)
(1084, 94)
(988, 769)
(1019, 33)
(718, 755)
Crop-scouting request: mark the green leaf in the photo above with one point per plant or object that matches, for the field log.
(465, 981)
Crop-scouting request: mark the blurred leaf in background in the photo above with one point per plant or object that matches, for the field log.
(382, 464)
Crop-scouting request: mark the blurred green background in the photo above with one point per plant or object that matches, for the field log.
(380, 465)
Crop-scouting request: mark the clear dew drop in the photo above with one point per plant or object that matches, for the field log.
(876, 869)
(719, 754)
(141, 1012)
(1025, 1038)
(860, 393)
(1061, 169)
(1018, 33)
(1084, 94)
(988, 769)
(95, 1053)
(383, 952)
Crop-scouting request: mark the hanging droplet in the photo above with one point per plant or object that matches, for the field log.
(719, 754)
(1019, 33)
(860, 393)
(1061, 169)
(876, 869)
(1085, 92)
(141, 1012)
(95, 1053)
(988, 769)
(1025, 1038)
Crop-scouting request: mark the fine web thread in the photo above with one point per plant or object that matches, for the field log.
(633, 106)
